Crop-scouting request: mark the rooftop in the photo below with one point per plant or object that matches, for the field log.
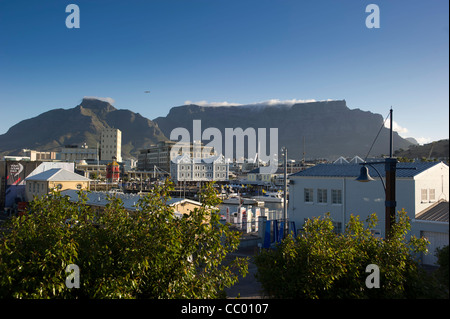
(58, 175)
(129, 200)
(436, 213)
(353, 170)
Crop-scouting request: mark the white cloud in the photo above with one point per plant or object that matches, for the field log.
(397, 128)
(206, 103)
(423, 140)
(285, 102)
(104, 99)
(270, 102)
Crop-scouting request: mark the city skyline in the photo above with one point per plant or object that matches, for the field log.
(227, 53)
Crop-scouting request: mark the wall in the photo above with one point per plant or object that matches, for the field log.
(39, 188)
(358, 198)
(111, 144)
(437, 178)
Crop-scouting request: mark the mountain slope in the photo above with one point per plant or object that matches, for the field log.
(330, 129)
(51, 130)
(437, 149)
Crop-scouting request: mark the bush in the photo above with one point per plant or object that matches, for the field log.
(322, 264)
(148, 253)
(443, 271)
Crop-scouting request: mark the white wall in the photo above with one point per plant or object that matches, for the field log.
(437, 178)
(358, 198)
(111, 144)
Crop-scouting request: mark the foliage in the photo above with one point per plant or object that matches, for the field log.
(443, 260)
(322, 264)
(147, 253)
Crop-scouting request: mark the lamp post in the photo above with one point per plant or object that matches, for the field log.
(390, 165)
(284, 150)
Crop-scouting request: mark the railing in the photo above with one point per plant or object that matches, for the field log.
(268, 225)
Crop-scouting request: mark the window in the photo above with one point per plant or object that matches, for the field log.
(337, 227)
(432, 194)
(78, 186)
(321, 195)
(309, 198)
(336, 196)
(424, 195)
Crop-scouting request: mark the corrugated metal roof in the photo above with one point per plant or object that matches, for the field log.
(129, 200)
(57, 174)
(437, 212)
(353, 170)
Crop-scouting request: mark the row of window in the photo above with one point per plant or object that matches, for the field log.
(203, 167)
(34, 187)
(427, 194)
(322, 195)
(208, 175)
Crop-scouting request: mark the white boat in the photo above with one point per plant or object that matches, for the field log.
(238, 200)
(270, 197)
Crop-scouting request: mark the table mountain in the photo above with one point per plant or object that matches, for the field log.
(329, 128)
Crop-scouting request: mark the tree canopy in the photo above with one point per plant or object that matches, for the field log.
(323, 264)
(146, 253)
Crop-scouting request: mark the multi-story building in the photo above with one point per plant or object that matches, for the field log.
(111, 145)
(160, 155)
(332, 188)
(186, 169)
(40, 156)
(72, 153)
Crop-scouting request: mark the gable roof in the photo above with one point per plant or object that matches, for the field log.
(186, 159)
(437, 212)
(353, 170)
(57, 175)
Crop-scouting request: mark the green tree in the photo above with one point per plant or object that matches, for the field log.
(147, 253)
(322, 264)
(443, 260)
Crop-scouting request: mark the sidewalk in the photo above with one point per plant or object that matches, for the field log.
(248, 287)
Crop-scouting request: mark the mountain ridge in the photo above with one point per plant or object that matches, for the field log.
(329, 128)
(83, 123)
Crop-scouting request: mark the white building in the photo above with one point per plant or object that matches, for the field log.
(184, 168)
(332, 188)
(111, 145)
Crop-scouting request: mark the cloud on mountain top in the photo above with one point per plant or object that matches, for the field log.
(270, 102)
(104, 99)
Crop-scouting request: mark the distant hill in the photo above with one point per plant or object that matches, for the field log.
(52, 130)
(330, 129)
(437, 149)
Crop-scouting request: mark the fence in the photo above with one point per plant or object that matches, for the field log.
(269, 225)
(247, 219)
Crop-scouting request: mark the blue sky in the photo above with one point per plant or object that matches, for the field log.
(243, 51)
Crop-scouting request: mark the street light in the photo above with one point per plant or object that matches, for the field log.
(286, 226)
(389, 186)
